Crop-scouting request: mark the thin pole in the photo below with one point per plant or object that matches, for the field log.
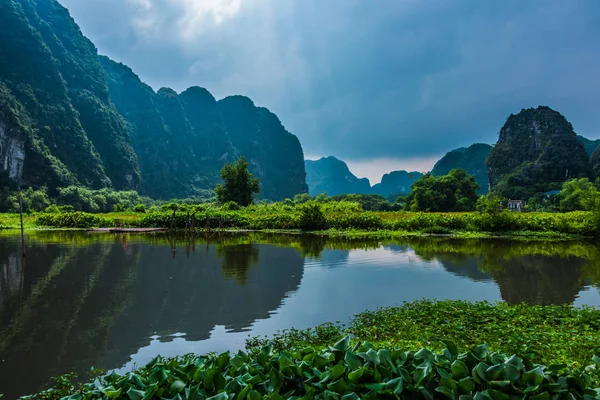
(21, 217)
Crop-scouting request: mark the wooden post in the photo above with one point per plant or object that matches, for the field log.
(22, 227)
(173, 219)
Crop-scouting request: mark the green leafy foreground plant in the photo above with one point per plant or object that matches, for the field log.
(343, 371)
(544, 334)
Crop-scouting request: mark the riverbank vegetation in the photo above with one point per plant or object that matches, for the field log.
(426, 349)
(437, 205)
(336, 218)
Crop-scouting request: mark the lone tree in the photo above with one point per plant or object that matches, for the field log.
(239, 184)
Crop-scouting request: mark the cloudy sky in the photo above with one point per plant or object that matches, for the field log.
(381, 84)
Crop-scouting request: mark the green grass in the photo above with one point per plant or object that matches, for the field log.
(335, 219)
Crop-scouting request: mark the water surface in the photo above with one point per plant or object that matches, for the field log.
(82, 300)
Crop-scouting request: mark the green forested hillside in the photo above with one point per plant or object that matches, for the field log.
(471, 160)
(333, 177)
(396, 183)
(70, 117)
(40, 111)
(589, 144)
(275, 155)
(537, 151)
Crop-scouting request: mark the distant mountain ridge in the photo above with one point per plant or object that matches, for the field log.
(332, 176)
(396, 183)
(590, 145)
(472, 159)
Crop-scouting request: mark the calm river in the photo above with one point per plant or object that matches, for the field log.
(82, 300)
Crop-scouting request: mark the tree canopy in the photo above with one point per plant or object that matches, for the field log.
(456, 191)
(240, 185)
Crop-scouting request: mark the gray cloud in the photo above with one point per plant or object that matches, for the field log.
(364, 79)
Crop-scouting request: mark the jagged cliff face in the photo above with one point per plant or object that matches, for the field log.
(274, 154)
(471, 160)
(537, 151)
(12, 153)
(332, 176)
(183, 140)
(72, 117)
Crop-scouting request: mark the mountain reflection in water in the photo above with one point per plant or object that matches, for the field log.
(82, 300)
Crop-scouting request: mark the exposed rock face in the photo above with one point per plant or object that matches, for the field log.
(12, 153)
(396, 183)
(537, 151)
(471, 160)
(332, 176)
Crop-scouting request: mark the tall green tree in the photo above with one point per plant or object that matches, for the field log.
(240, 185)
(576, 195)
(456, 191)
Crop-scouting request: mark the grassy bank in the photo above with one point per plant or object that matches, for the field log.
(419, 350)
(335, 218)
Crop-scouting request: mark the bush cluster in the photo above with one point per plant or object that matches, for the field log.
(344, 216)
(74, 220)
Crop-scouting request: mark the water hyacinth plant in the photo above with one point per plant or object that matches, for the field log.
(345, 371)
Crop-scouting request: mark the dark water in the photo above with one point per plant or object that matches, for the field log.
(83, 300)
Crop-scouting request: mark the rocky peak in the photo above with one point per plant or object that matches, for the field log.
(537, 150)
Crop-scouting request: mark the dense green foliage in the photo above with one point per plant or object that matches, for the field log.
(72, 198)
(342, 371)
(471, 160)
(332, 176)
(578, 194)
(536, 152)
(343, 216)
(456, 191)
(312, 217)
(545, 334)
(368, 202)
(490, 204)
(50, 69)
(239, 186)
(382, 359)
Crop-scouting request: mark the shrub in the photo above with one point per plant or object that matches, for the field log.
(73, 220)
(490, 204)
(344, 371)
(140, 208)
(230, 206)
(312, 217)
